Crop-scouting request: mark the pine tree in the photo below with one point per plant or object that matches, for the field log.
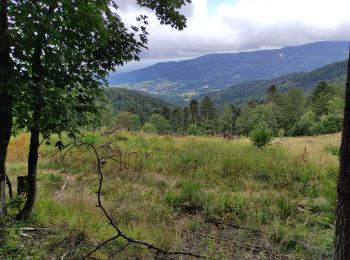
(178, 120)
(207, 116)
(186, 118)
(272, 93)
(207, 110)
(166, 112)
(193, 112)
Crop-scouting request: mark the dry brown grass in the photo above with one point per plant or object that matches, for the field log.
(18, 149)
(312, 148)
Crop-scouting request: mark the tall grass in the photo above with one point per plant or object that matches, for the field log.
(286, 190)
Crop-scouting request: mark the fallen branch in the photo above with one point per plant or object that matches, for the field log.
(119, 233)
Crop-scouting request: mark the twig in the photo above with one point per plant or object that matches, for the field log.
(102, 244)
(119, 250)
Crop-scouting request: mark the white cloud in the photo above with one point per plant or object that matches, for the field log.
(244, 25)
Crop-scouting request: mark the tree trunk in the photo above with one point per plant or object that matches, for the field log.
(32, 167)
(5, 101)
(22, 185)
(9, 186)
(342, 233)
(35, 128)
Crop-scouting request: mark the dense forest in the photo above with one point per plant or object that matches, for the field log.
(289, 113)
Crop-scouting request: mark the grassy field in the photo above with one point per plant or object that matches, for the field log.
(221, 199)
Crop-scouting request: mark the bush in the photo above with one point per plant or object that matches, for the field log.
(261, 135)
(331, 123)
(128, 121)
(161, 124)
(149, 128)
(193, 129)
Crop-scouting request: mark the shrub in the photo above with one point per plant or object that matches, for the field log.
(303, 126)
(128, 121)
(161, 124)
(261, 135)
(149, 128)
(331, 123)
(193, 129)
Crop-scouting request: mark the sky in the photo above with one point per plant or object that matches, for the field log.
(239, 25)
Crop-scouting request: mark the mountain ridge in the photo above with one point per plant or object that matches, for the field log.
(222, 70)
(241, 93)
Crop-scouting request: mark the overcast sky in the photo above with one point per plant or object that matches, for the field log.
(240, 25)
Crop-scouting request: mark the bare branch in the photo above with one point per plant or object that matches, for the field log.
(101, 160)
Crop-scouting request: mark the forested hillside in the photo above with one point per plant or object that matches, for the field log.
(243, 92)
(136, 102)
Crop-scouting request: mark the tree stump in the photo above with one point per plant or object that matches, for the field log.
(22, 185)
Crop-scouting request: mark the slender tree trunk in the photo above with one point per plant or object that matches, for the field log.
(5, 101)
(32, 168)
(35, 129)
(342, 233)
(5, 134)
(9, 185)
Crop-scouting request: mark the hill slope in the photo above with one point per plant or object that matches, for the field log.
(245, 91)
(126, 100)
(218, 71)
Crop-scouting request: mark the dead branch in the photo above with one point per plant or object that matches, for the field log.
(119, 233)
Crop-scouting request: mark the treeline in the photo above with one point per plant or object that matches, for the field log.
(291, 113)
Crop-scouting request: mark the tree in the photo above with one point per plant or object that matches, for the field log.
(290, 106)
(261, 135)
(128, 121)
(64, 51)
(304, 125)
(229, 117)
(272, 93)
(226, 119)
(162, 125)
(342, 229)
(186, 118)
(63, 82)
(207, 116)
(321, 95)
(149, 128)
(178, 120)
(166, 112)
(193, 129)
(321, 88)
(251, 117)
(207, 110)
(6, 98)
(194, 112)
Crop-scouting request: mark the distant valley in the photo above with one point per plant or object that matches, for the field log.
(179, 81)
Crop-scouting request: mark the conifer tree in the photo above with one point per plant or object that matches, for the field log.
(194, 112)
